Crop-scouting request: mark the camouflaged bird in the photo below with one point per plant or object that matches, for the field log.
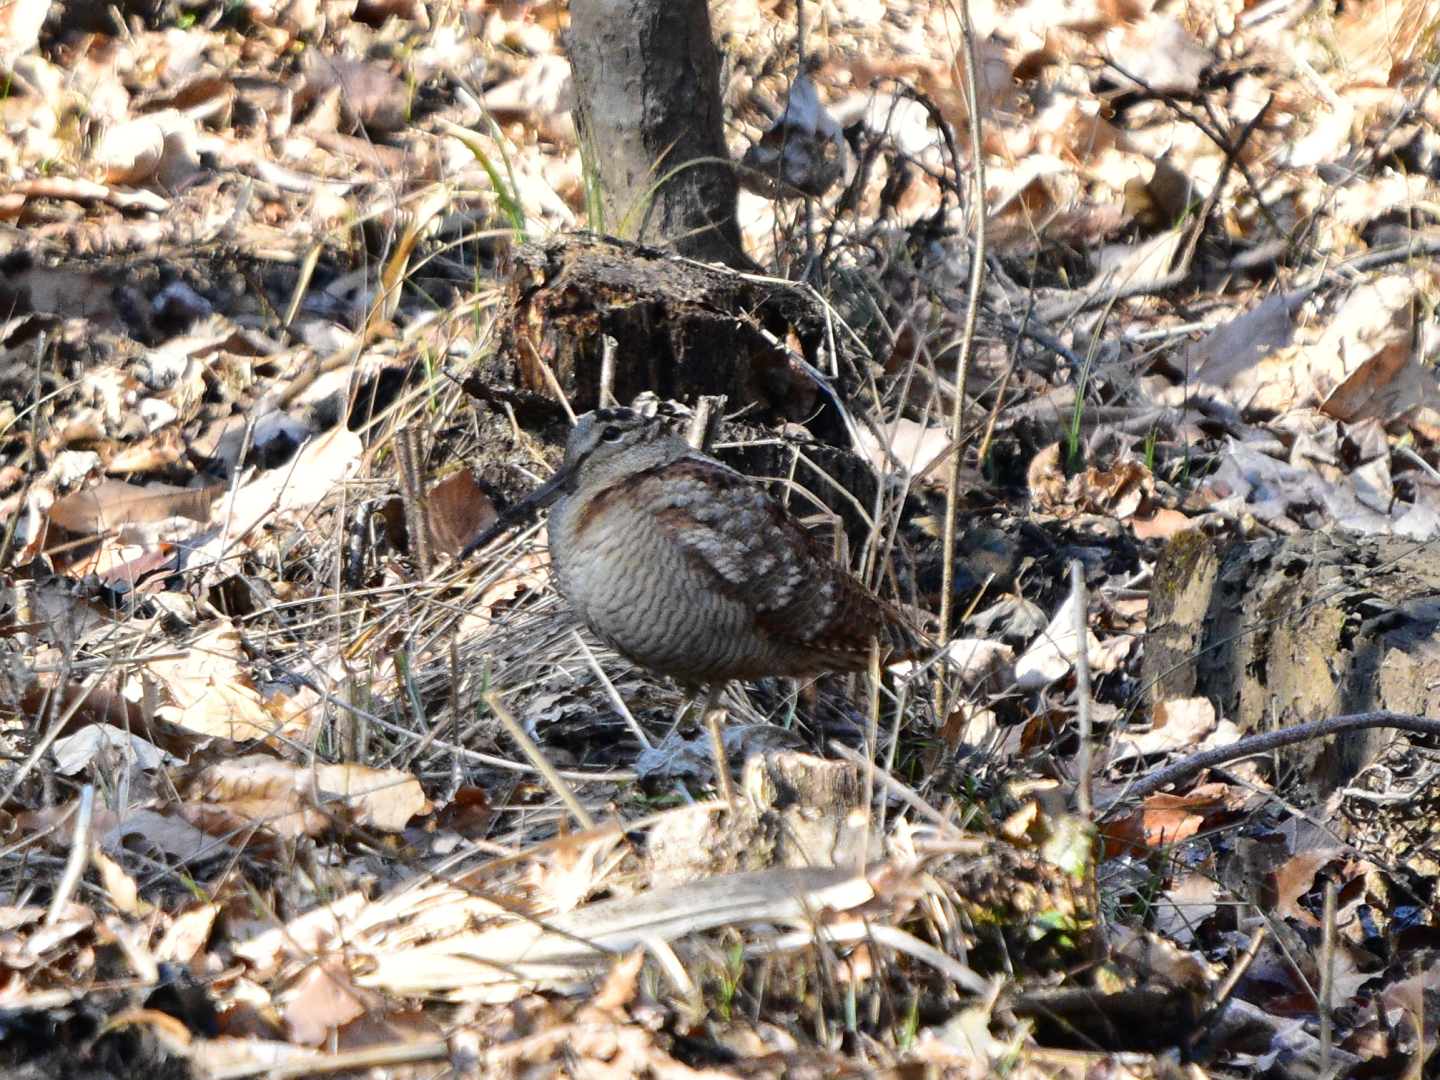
(685, 566)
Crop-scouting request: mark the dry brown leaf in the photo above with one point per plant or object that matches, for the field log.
(529, 572)
(59, 187)
(1176, 724)
(913, 445)
(298, 487)
(1181, 908)
(187, 934)
(295, 800)
(323, 1000)
(1162, 55)
(305, 936)
(1295, 877)
(384, 799)
(1052, 654)
(542, 95)
(1163, 820)
(1380, 41)
(119, 886)
(112, 503)
(367, 94)
(20, 23)
(156, 453)
(459, 511)
(107, 744)
(1114, 490)
(173, 835)
(562, 947)
(1161, 525)
(210, 691)
(981, 662)
(1235, 347)
(618, 989)
(1125, 265)
(1153, 959)
(130, 153)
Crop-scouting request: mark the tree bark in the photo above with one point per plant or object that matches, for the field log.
(647, 78)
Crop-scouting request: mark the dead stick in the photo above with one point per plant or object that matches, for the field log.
(540, 761)
(1273, 740)
(1084, 762)
(1327, 980)
(79, 857)
(972, 314)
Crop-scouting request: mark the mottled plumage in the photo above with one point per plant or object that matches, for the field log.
(683, 565)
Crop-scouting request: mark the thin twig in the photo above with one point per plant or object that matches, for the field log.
(410, 460)
(899, 790)
(1272, 740)
(610, 691)
(79, 857)
(872, 730)
(1241, 965)
(540, 761)
(370, 1057)
(1327, 981)
(533, 355)
(1084, 761)
(52, 731)
(608, 345)
(972, 312)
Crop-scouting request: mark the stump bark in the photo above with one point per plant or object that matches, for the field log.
(1279, 632)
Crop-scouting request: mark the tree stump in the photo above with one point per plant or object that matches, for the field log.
(683, 330)
(1279, 632)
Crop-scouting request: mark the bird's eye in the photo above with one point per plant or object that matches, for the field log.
(611, 434)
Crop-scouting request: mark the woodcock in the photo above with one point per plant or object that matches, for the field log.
(683, 565)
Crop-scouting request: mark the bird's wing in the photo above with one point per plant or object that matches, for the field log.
(759, 554)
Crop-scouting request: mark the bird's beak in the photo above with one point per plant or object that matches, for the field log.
(538, 499)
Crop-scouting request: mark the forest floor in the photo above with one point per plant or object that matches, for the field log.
(286, 788)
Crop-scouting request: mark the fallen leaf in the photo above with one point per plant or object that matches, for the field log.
(1164, 57)
(1163, 524)
(20, 23)
(112, 503)
(96, 742)
(322, 463)
(120, 887)
(1176, 724)
(210, 691)
(1235, 347)
(1164, 820)
(914, 446)
(1113, 490)
(1052, 654)
(1295, 877)
(299, 800)
(187, 934)
(459, 511)
(323, 1000)
(1181, 908)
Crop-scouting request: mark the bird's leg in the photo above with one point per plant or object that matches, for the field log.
(712, 714)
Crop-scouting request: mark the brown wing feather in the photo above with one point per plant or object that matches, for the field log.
(756, 552)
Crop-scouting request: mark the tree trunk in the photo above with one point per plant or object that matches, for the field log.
(647, 78)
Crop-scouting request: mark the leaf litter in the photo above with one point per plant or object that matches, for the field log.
(235, 469)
